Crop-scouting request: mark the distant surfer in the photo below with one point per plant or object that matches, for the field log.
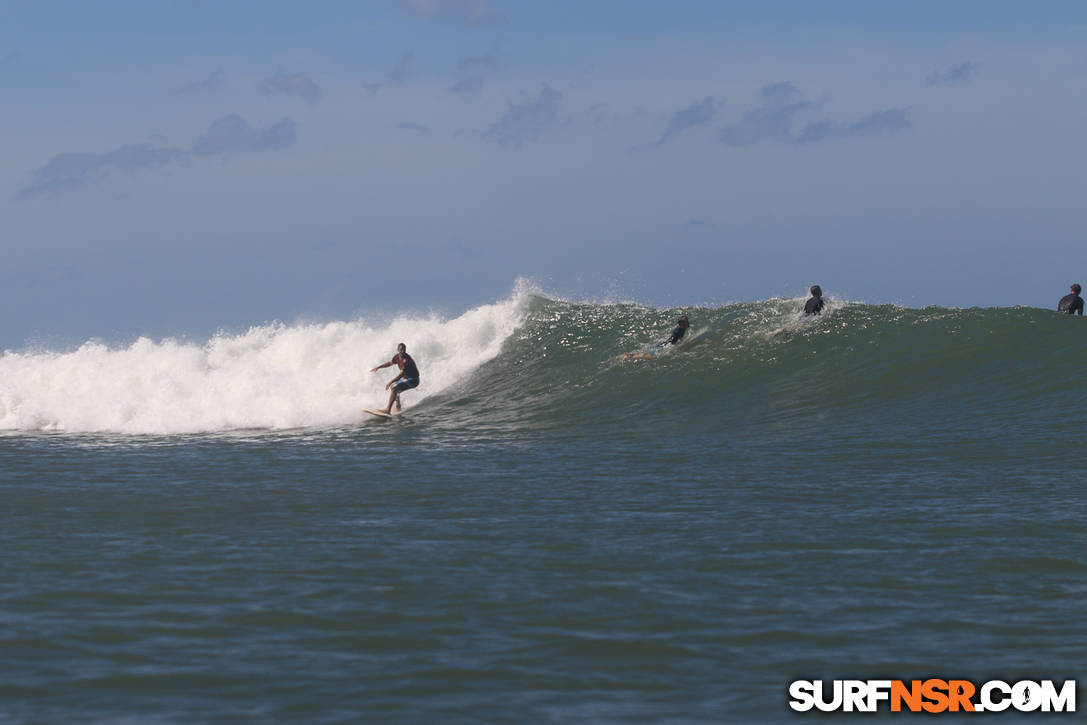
(1071, 304)
(814, 305)
(406, 380)
(682, 325)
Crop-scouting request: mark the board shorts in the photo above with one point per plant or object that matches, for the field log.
(406, 384)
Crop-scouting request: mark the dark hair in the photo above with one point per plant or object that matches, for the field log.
(401, 345)
(1076, 288)
(683, 321)
(816, 290)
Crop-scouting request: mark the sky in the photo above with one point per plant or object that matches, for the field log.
(176, 168)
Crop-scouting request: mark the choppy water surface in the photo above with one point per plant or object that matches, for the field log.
(548, 533)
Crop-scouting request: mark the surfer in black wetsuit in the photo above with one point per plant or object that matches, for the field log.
(1071, 304)
(406, 380)
(682, 325)
(814, 305)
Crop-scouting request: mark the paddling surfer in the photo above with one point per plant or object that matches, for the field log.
(1071, 304)
(682, 325)
(406, 380)
(814, 305)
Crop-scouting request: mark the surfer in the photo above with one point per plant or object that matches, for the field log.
(406, 380)
(814, 305)
(1071, 304)
(682, 325)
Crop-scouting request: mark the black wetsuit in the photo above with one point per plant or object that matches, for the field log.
(677, 335)
(1071, 304)
(814, 306)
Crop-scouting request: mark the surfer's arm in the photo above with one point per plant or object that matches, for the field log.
(383, 365)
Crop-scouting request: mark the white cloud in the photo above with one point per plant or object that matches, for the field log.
(772, 120)
(526, 122)
(212, 83)
(961, 73)
(230, 134)
(880, 123)
(783, 105)
(467, 86)
(699, 113)
(295, 85)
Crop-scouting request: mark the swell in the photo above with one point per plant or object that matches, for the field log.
(537, 364)
(937, 371)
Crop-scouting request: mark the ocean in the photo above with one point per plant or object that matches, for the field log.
(214, 531)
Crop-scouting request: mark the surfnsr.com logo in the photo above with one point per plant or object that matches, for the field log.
(932, 695)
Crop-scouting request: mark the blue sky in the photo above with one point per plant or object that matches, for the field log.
(174, 168)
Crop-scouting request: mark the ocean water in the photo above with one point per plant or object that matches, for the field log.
(549, 533)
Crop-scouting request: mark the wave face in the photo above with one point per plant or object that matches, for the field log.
(533, 364)
(877, 372)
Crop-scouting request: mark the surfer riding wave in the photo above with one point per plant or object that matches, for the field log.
(406, 380)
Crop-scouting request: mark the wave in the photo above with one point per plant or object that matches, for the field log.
(273, 376)
(763, 368)
(532, 363)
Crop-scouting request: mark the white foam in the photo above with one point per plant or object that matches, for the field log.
(271, 377)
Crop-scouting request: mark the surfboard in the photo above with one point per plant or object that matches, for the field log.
(690, 338)
(376, 413)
